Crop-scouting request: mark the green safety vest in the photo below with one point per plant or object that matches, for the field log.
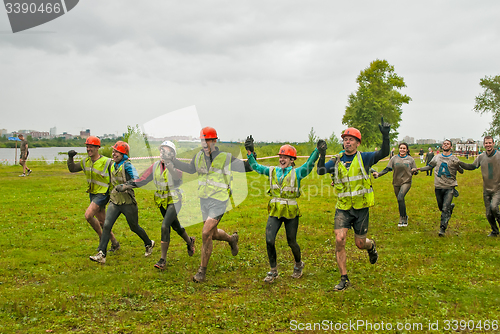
(118, 176)
(166, 192)
(214, 182)
(353, 187)
(97, 174)
(283, 202)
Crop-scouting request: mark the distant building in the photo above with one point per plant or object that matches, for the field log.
(108, 136)
(3, 132)
(426, 141)
(66, 135)
(469, 145)
(409, 140)
(85, 134)
(53, 132)
(39, 134)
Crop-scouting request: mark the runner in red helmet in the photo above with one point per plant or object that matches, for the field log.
(214, 169)
(124, 203)
(351, 177)
(97, 171)
(284, 189)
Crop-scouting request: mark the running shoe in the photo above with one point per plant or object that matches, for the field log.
(297, 270)
(29, 172)
(99, 257)
(271, 276)
(161, 264)
(234, 244)
(373, 254)
(190, 247)
(343, 284)
(149, 249)
(401, 222)
(200, 275)
(442, 232)
(23, 175)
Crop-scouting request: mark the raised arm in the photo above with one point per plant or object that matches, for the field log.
(72, 166)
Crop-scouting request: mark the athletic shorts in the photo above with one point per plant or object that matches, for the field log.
(100, 199)
(355, 219)
(212, 208)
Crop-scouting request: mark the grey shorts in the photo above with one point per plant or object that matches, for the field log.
(355, 219)
(100, 199)
(212, 208)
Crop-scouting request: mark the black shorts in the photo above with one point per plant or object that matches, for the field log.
(99, 199)
(355, 219)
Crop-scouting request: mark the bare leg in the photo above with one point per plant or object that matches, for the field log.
(96, 216)
(340, 238)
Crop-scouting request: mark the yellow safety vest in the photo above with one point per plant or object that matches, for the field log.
(283, 202)
(166, 192)
(97, 174)
(118, 176)
(353, 187)
(214, 182)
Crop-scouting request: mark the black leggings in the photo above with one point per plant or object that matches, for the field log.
(400, 192)
(272, 228)
(170, 220)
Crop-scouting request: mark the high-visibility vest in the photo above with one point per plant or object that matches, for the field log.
(97, 174)
(353, 187)
(118, 176)
(214, 182)
(283, 202)
(166, 192)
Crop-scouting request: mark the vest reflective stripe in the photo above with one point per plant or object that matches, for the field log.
(283, 202)
(118, 176)
(166, 193)
(214, 182)
(97, 174)
(353, 187)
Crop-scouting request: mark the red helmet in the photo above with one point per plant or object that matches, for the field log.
(352, 132)
(288, 150)
(208, 133)
(122, 147)
(91, 140)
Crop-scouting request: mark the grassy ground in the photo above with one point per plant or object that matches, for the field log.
(48, 284)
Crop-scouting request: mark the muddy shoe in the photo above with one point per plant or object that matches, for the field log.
(271, 276)
(149, 249)
(343, 284)
(373, 254)
(401, 222)
(161, 264)
(442, 232)
(234, 244)
(190, 247)
(99, 257)
(114, 248)
(200, 275)
(405, 221)
(297, 270)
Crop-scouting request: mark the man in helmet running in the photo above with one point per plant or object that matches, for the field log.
(121, 202)
(167, 197)
(351, 178)
(97, 170)
(214, 170)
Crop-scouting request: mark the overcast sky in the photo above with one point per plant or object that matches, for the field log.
(272, 69)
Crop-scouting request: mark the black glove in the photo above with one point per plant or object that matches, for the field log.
(122, 187)
(71, 153)
(384, 127)
(322, 147)
(249, 144)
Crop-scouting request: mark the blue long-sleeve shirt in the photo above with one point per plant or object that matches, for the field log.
(130, 170)
(301, 172)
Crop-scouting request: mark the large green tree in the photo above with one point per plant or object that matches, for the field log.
(489, 101)
(377, 96)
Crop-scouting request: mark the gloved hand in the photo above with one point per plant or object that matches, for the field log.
(322, 147)
(71, 153)
(384, 127)
(123, 187)
(249, 144)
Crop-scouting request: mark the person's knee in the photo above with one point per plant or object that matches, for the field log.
(360, 243)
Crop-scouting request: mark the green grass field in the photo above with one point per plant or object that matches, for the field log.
(48, 284)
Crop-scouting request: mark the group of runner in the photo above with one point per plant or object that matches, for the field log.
(114, 179)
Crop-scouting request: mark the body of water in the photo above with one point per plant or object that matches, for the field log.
(7, 155)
